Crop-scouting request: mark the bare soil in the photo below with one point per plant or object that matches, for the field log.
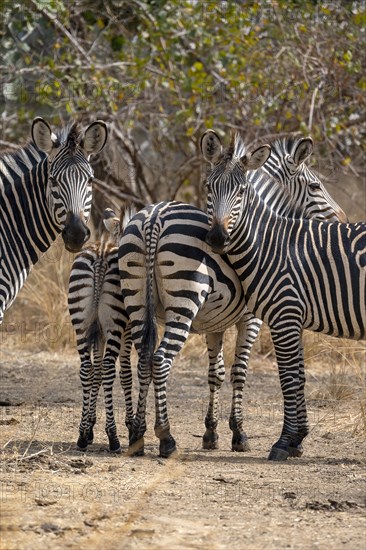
(54, 496)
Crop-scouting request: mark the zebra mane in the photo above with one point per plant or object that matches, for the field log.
(127, 211)
(282, 144)
(236, 149)
(23, 156)
(69, 135)
(285, 145)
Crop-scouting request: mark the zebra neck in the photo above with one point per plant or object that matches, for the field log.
(29, 227)
(259, 236)
(274, 192)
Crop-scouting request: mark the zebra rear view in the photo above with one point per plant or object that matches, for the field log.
(102, 329)
(295, 273)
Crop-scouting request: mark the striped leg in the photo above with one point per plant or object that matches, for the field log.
(288, 352)
(126, 376)
(216, 375)
(173, 340)
(97, 381)
(86, 378)
(136, 438)
(248, 330)
(108, 376)
(295, 448)
(163, 360)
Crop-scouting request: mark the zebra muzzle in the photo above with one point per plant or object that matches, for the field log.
(218, 238)
(75, 233)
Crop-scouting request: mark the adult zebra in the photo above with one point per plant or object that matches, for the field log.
(295, 273)
(195, 289)
(45, 189)
(102, 328)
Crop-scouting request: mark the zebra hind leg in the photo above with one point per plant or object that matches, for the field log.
(216, 375)
(86, 378)
(161, 368)
(108, 376)
(136, 437)
(126, 377)
(97, 381)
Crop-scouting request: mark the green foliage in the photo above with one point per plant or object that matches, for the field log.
(174, 68)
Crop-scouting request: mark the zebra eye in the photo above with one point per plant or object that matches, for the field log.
(314, 186)
(242, 188)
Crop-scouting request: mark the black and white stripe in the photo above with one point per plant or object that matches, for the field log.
(295, 273)
(102, 329)
(45, 189)
(188, 287)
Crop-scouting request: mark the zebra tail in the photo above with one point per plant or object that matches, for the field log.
(94, 329)
(149, 330)
(94, 332)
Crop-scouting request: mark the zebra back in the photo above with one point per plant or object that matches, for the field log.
(95, 302)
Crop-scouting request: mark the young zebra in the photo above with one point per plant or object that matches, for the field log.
(45, 189)
(295, 273)
(192, 288)
(100, 323)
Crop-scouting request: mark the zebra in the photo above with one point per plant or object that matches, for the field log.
(196, 290)
(45, 190)
(295, 273)
(102, 328)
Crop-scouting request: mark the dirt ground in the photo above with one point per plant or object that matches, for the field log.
(54, 496)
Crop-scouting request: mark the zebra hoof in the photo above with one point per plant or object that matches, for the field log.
(167, 447)
(210, 440)
(240, 444)
(90, 435)
(295, 451)
(278, 455)
(82, 443)
(114, 445)
(136, 448)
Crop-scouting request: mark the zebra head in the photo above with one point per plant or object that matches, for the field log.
(227, 184)
(288, 162)
(117, 225)
(69, 176)
(112, 224)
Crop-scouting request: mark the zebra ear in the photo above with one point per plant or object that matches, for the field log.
(257, 158)
(42, 135)
(110, 220)
(303, 150)
(95, 137)
(211, 147)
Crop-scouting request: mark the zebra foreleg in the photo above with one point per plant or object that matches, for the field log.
(286, 345)
(86, 378)
(216, 375)
(126, 376)
(295, 448)
(108, 376)
(248, 330)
